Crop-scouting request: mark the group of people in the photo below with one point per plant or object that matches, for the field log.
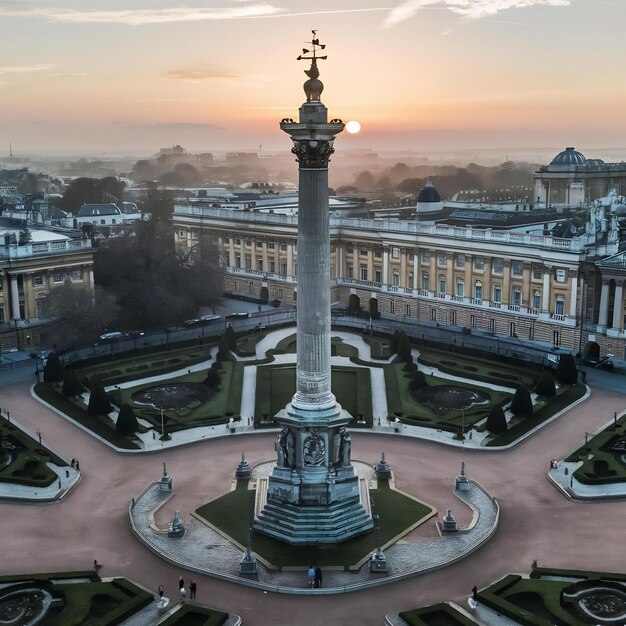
(315, 577)
(193, 587)
(75, 465)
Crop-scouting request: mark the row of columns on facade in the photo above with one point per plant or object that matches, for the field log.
(618, 305)
(15, 296)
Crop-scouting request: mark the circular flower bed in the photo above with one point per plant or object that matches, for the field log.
(173, 396)
(24, 607)
(445, 398)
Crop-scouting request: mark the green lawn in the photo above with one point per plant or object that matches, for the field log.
(28, 466)
(219, 408)
(88, 603)
(436, 615)
(400, 402)
(605, 466)
(276, 385)
(231, 514)
(538, 601)
(190, 615)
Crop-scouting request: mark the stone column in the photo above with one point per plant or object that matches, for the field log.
(290, 270)
(15, 298)
(618, 306)
(403, 272)
(574, 296)
(415, 272)
(545, 294)
(92, 286)
(385, 281)
(603, 317)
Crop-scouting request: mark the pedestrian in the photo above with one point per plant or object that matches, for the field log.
(475, 592)
(318, 577)
(183, 595)
(73, 463)
(76, 465)
(192, 589)
(311, 576)
(160, 591)
(181, 583)
(96, 565)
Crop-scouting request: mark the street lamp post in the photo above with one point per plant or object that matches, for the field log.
(40, 446)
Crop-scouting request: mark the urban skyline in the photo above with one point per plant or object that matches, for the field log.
(421, 74)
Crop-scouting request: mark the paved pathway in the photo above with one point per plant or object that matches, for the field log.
(92, 522)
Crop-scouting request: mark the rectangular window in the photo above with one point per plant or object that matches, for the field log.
(226, 239)
(479, 263)
(396, 279)
(76, 275)
(512, 332)
(452, 318)
(442, 285)
(433, 315)
(378, 275)
(536, 300)
(349, 250)
(478, 291)
(517, 268)
(37, 280)
(259, 265)
(460, 261)
(113, 221)
(460, 288)
(497, 293)
(248, 262)
(363, 272)
(556, 338)
(1, 315)
(363, 252)
(395, 253)
(40, 303)
(497, 266)
(516, 297)
(58, 277)
(392, 307)
(237, 242)
(442, 259)
(561, 276)
(559, 307)
(407, 310)
(350, 271)
(536, 272)
(259, 245)
(493, 327)
(272, 268)
(473, 321)
(283, 269)
(237, 260)
(281, 293)
(248, 243)
(271, 245)
(283, 247)
(378, 254)
(425, 257)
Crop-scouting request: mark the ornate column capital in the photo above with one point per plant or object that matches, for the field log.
(313, 154)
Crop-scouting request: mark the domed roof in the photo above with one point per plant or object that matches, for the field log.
(429, 194)
(569, 158)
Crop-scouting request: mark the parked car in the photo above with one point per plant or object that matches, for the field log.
(238, 315)
(134, 333)
(112, 336)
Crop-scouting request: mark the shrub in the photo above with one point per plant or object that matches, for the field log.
(53, 369)
(522, 403)
(223, 351)
(231, 339)
(545, 385)
(71, 384)
(418, 381)
(496, 422)
(566, 372)
(98, 400)
(126, 420)
(404, 346)
(213, 378)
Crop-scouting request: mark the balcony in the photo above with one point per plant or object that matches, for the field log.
(44, 248)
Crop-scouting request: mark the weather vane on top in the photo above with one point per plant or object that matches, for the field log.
(313, 87)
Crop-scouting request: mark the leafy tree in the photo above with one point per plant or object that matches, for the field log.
(522, 403)
(496, 421)
(24, 237)
(91, 190)
(545, 385)
(213, 378)
(126, 420)
(53, 369)
(566, 372)
(98, 400)
(71, 384)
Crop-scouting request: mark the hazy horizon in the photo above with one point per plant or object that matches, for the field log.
(417, 74)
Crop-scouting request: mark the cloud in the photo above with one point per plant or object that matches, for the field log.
(140, 17)
(470, 9)
(194, 74)
(19, 69)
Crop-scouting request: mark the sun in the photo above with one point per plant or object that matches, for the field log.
(353, 127)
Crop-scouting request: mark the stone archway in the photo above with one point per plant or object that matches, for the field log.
(354, 304)
(592, 351)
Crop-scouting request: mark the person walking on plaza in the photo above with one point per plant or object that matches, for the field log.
(311, 575)
(181, 583)
(318, 577)
(192, 589)
(160, 591)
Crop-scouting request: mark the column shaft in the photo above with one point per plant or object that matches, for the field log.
(603, 318)
(15, 299)
(618, 306)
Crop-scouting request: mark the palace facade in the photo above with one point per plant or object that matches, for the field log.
(531, 286)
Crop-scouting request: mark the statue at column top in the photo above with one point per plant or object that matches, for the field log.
(313, 87)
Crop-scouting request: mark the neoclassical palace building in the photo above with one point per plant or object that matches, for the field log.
(567, 292)
(29, 272)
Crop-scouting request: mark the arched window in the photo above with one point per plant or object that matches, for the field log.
(478, 290)
(425, 281)
(442, 284)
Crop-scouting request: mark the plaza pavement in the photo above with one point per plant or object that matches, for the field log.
(536, 522)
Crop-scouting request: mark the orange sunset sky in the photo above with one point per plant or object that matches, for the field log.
(219, 74)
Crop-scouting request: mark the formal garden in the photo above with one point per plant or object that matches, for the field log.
(555, 597)
(603, 456)
(23, 460)
(436, 615)
(230, 514)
